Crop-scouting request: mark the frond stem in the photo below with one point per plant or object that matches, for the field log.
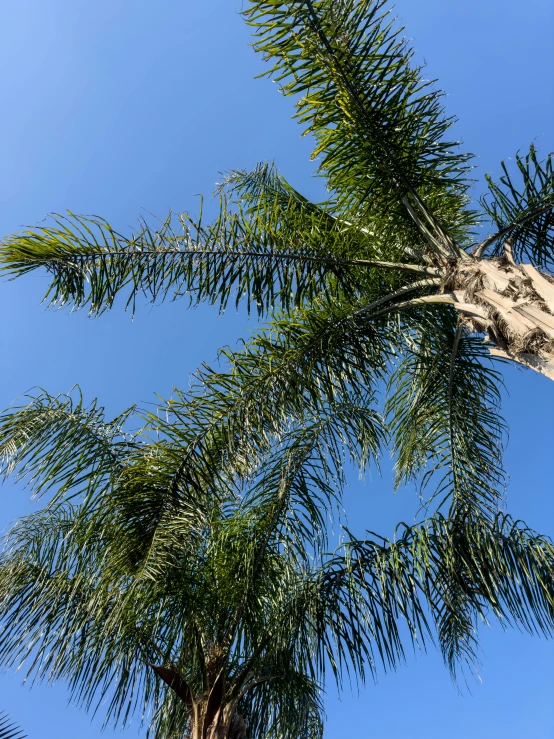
(466, 308)
(455, 346)
(433, 282)
(419, 268)
(452, 248)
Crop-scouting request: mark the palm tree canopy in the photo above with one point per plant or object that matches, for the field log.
(154, 589)
(379, 254)
(199, 543)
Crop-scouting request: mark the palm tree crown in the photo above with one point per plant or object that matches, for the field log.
(186, 565)
(209, 604)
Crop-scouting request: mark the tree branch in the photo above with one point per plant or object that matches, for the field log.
(466, 308)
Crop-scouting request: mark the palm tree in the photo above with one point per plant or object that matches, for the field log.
(166, 554)
(209, 606)
(382, 285)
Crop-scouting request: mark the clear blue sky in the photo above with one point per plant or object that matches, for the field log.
(114, 106)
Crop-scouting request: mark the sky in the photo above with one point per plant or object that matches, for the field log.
(125, 107)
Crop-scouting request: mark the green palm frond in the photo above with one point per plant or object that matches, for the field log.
(459, 573)
(521, 206)
(9, 730)
(443, 410)
(444, 415)
(304, 477)
(268, 247)
(59, 442)
(287, 706)
(292, 368)
(379, 125)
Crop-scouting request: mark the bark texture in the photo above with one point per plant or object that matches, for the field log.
(512, 304)
(213, 714)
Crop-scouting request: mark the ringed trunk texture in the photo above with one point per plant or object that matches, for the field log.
(513, 304)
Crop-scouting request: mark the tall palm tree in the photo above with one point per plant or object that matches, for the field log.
(210, 606)
(384, 288)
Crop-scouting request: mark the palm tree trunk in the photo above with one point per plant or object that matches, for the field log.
(223, 726)
(513, 304)
(211, 716)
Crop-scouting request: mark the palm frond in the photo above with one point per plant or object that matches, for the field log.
(304, 476)
(294, 367)
(59, 442)
(277, 251)
(58, 612)
(458, 573)
(325, 358)
(379, 125)
(290, 705)
(9, 730)
(445, 419)
(521, 206)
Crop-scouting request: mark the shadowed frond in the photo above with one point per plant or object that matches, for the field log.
(444, 415)
(290, 705)
(306, 364)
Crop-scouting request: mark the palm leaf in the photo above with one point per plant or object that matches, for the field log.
(461, 571)
(269, 248)
(444, 415)
(58, 442)
(379, 126)
(523, 211)
(9, 730)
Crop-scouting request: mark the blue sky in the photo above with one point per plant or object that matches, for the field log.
(117, 107)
